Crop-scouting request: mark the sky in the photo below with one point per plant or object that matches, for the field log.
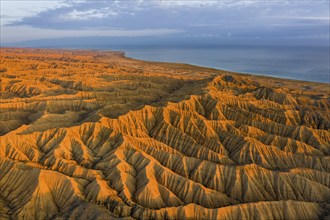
(240, 20)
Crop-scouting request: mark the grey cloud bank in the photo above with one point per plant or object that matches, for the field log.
(306, 22)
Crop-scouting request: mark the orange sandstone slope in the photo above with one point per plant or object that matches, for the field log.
(95, 135)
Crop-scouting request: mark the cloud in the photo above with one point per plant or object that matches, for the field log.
(13, 11)
(310, 18)
(240, 18)
(140, 14)
(88, 14)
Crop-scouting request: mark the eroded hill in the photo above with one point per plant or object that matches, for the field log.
(95, 135)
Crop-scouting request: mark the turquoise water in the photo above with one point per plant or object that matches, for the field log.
(292, 62)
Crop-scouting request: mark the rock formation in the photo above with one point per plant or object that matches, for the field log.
(96, 135)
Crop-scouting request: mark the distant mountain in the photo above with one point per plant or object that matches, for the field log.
(174, 41)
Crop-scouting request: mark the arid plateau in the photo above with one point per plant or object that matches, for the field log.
(88, 134)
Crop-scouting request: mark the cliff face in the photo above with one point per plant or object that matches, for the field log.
(95, 135)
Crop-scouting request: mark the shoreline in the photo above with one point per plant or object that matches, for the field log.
(227, 70)
(123, 54)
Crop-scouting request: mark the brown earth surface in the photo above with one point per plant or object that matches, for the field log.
(96, 135)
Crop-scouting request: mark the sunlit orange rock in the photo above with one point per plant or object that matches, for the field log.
(96, 135)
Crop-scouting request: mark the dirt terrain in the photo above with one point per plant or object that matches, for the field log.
(96, 135)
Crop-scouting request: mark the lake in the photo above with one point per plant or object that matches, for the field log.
(309, 63)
